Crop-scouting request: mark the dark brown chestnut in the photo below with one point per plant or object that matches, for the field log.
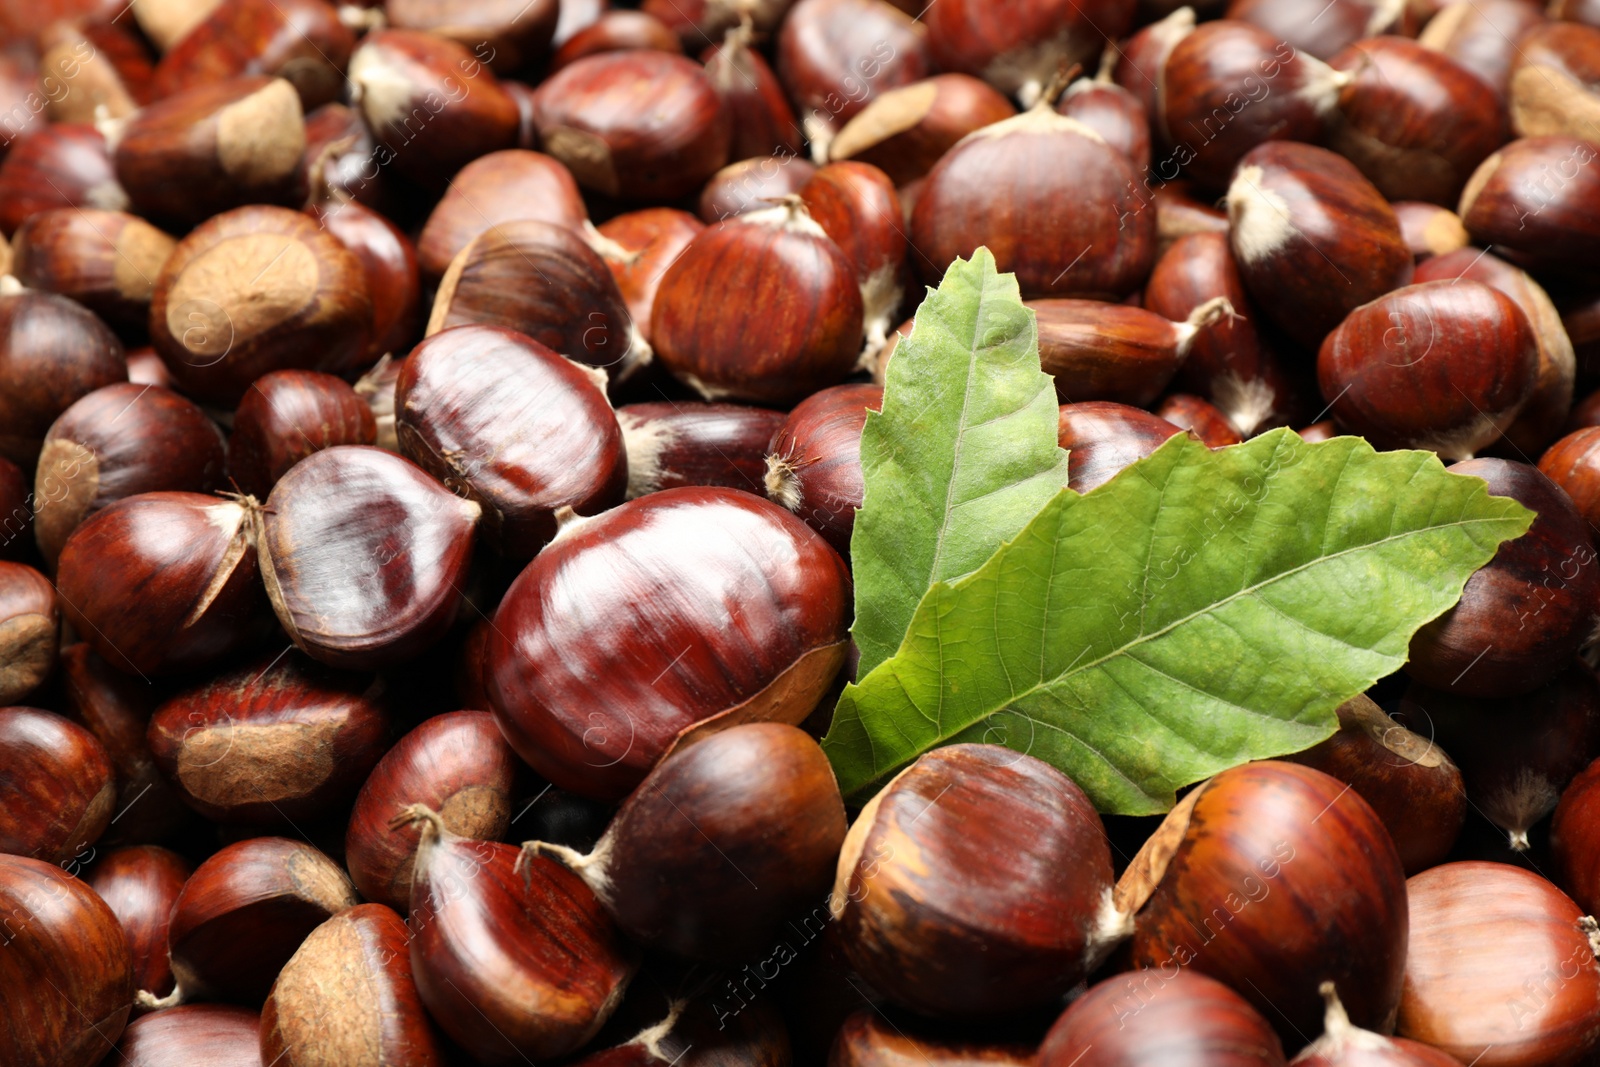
(1142, 57)
(703, 1032)
(617, 31)
(1534, 202)
(302, 41)
(814, 460)
(364, 556)
(506, 34)
(108, 261)
(762, 120)
(390, 262)
(220, 1035)
(59, 789)
(1521, 617)
(869, 1039)
(1099, 351)
(286, 416)
(1343, 1044)
(341, 160)
(751, 185)
(976, 884)
(638, 247)
(57, 166)
(490, 191)
(906, 130)
(16, 512)
(1572, 840)
(140, 884)
(858, 208)
(1102, 437)
(1117, 115)
(755, 628)
(1482, 36)
(117, 442)
(1019, 46)
(1430, 230)
(672, 444)
(52, 352)
(1200, 417)
(30, 629)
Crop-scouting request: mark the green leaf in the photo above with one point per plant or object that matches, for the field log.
(1199, 610)
(963, 454)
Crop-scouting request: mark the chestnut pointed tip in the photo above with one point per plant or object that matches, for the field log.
(783, 481)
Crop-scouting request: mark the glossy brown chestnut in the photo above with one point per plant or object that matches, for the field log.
(1102, 437)
(976, 884)
(458, 765)
(759, 112)
(798, 329)
(671, 444)
(640, 125)
(93, 69)
(254, 290)
(1099, 351)
(1114, 113)
(617, 31)
(492, 190)
(1161, 1016)
(906, 130)
(286, 416)
(433, 105)
(215, 1035)
(1535, 201)
(545, 282)
(302, 41)
(1430, 230)
(213, 147)
(1019, 45)
(525, 948)
(52, 352)
(57, 166)
(1047, 195)
(163, 582)
(1200, 417)
(65, 966)
(1442, 365)
(30, 627)
(1343, 1044)
(1244, 860)
(721, 844)
(751, 185)
(242, 914)
(1573, 463)
(390, 262)
(506, 34)
(868, 1039)
(1410, 781)
(1142, 57)
(1313, 238)
(1553, 79)
(666, 665)
(58, 790)
(1414, 122)
(272, 743)
(140, 884)
(1521, 617)
(341, 159)
(814, 460)
(1501, 968)
(1573, 837)
(858, 208)
(117, 442)
(347, 996)
(1316, 30)
(699, 21)
(834, 56)
(364, 556)
(1482, 36)
(108, 261)
(638, 247)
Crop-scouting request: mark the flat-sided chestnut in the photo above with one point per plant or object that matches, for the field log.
(1229, 884)
(1430, 230)
(117, 442)
(58, 788)
(390, 262)
(672, 444)
(30, 628)
(1521, 617)
(976, 884)
(906, 130)
(1343, 1044)
(498, 188)
(751, 185)
(302, 41)
(57, 166)
(638, 247)
(140, 884)
(814, 460)
(215, 1035)
(286, 416)
(52, 352)
(254, 290)
(1102, 437)
(1200, 417)
(1098, 351)
(1534, 202)
(506, 34)
(763, 122)
(617, 31)
(1020, 45)
(364, 555)
(592, 684)
(868, 1039)
(347, 996)
(108, 261)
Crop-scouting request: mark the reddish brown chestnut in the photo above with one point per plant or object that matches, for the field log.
(55, 167)
(1482, 36)
(140, 884)
(286, 416)
(1102, 437)
(165, 22)
(58, 792)
(814, 460)
(1320, 31)
(92, 69)
(506, 34)
(1430, 230)
(219, 1035)
(671, 445)
(390, 263)
(52, 352)
(1552, 81)
(1572, 840)
(638, 247)
(1200, 417)
(762, 120)
(728, 556)
(302, 41)
(1141, 58)
(1573, 463)
(617, 31)
(1113, 112)
(857, 207)
(1343, 1044)
(1019, 45)
(498, 188)
(1534, 202)
(1098, 351)
(905, 131)
(698, 21)
(108, 261)
(751, 185)
(30, 627)
(341, 160)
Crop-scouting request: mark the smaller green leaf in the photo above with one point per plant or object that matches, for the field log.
(1199, 610)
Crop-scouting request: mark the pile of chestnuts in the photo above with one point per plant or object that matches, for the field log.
(430, 444)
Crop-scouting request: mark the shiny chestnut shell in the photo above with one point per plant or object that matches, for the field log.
(52, 352)
(140, 884)
(59, 791)
(639, 247)
(672, 444)
(219, 1035)
(497, 188)
(1534, 202)
(1102, 437)
(30, 631)
(814, 460)
(286, 416)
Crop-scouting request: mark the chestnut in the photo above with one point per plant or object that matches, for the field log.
(1482, 36)
(1113, 112)
(212, 147)
(1411, 782)
(1572, 837)
(390, 263)
(505, 34)
(104, 70)
(1501, 968)
(1442, 365)
(1102, 437)
(117, 442)
(16, 511)
(286, 416)
(722, 842)
(1343, 1044)
(347, 996)
(798, 328)
(592, 697)
(1534, 201)
(511, 426)
(243, 913)
(108, 261)
(1316, 30)
(166, 22)
(65, 966)
(490, 191)
(670, 445)
(1200, 417)
(754, 1036)
(1157, 1016)
(140, 884)
(30, 627)
(163, 582)
(218, 1035)
(364, 555)
(1252, 854)
(906, 130)
(255, 290)
(698, 21)
(1430, 230)
(52, 352)
(1523, 615)
(834, 56)
(1552, 81)
(1573, 463)
(1008, 186)
(617, 31)
(57, 166)
(763, 122)
(543, 281)
(814, 460)
(868, 1039)
(1098, 351)
(376, 390)
(302, 41)
(58, 791)
(1142, 57)
(751, 185)
(976, 884)
(641, 125)
(1018, 46)
(1313, 238)
(519, 943)
(341, 160)
(458, 765)
(271, 743)
(858, 208)
(638, 247)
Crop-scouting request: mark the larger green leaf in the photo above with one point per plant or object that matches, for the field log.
(963, 454)
(1199, 610)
